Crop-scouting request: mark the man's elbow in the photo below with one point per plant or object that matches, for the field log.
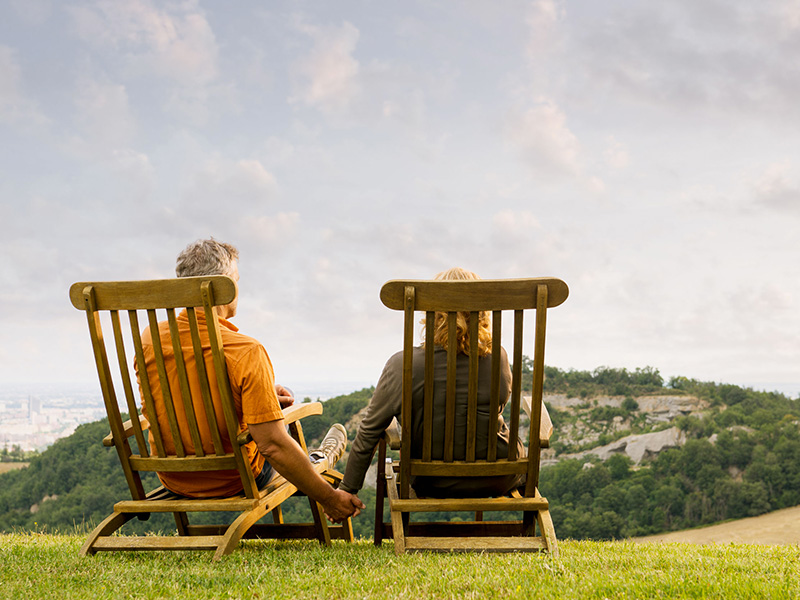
(271, 450)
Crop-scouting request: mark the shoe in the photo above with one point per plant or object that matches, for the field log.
(332, 446)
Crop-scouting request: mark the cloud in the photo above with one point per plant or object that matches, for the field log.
(689, 55)
(327, 78)
(222, 197)
(547, 144)
(616, 154)
(15, 107)
(542, 19)
(777, 189)
(103, 114)
(174, 42)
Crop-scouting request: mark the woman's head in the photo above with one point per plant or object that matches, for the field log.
(440, 334)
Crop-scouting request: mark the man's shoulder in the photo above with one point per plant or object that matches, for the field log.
(236, 339)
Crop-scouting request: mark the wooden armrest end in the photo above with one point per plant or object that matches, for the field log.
(128, 428)
(392, 435)
(291, 414)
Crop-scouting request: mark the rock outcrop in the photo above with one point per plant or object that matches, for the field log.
(636, 447)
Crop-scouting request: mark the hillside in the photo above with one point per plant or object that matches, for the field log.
(631, 456)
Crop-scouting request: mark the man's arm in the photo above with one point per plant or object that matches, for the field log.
(286, 456)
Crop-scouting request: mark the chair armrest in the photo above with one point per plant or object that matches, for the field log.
(128, 429)
(293, 413)
(392, 435)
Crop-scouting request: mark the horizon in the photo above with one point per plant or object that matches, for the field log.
(647, 154)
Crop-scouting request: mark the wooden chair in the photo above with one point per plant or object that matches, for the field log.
(103, 303)
(451, 297)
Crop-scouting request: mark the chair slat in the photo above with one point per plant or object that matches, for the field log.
(472, 393)
(130, 399)
(152, 294)
(183, 382)
(427, 427)
(202, 375)
(516, 385)
(450, 400)
(144, 381)
(481, 468)
(166, 393)
(109, 395)
(536, 394)
(221, 370)
(494, 399)
(464, 296)
(408, 366)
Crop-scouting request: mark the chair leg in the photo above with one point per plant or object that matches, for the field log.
(548, 531)
(380, 493)
(109, 525)
(237, 529)
(398, 529)
(277, 515)
(320, 523)
(181, 522)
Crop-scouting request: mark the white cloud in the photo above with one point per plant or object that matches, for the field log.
(224, 194)
(104, 114)
(778, 189)
(548, 145)
(174, 42)
(15, 107)
(272, 229)
(542, 19)
(327, 78)
(616, 154)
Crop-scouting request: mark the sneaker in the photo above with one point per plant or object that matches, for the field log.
(332, 446)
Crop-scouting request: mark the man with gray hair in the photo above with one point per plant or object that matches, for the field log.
(258, 400)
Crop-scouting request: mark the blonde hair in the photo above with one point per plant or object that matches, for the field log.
(440, 337)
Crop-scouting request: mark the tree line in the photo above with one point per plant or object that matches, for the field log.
(740, 460)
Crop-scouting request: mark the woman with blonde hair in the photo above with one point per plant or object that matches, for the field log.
(387, 400)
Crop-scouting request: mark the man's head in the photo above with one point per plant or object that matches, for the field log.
(210, 257)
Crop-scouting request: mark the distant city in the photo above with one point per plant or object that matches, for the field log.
(33, 416)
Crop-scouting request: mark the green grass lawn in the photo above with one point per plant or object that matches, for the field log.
(47, 566)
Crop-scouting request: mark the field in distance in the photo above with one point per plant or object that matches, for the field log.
(5, 467)
(778, 528)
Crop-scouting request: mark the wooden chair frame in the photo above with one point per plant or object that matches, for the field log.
(451, 297)
(192, 294)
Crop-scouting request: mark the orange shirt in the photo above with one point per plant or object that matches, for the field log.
(253, 386)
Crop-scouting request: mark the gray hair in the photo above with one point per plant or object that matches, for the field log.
(207, 257)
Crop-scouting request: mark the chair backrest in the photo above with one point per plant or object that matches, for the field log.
(157, 301)
(450, 298)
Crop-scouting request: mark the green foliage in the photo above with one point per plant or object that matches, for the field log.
(750, 468)
(602, 381)
(16, 454)
(339, 409)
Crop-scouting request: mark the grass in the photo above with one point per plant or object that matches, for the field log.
(47, 566)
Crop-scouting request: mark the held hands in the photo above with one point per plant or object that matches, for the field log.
(343, 505)
(285, 395)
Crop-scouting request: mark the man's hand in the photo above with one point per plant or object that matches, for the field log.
(342, 505)
(285, 395)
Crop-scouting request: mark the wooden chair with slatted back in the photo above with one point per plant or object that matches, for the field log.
(108, 305)
(513, 296)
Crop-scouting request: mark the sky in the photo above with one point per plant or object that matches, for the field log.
(646, 153)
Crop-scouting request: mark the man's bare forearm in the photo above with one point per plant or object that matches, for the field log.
(287, 458)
